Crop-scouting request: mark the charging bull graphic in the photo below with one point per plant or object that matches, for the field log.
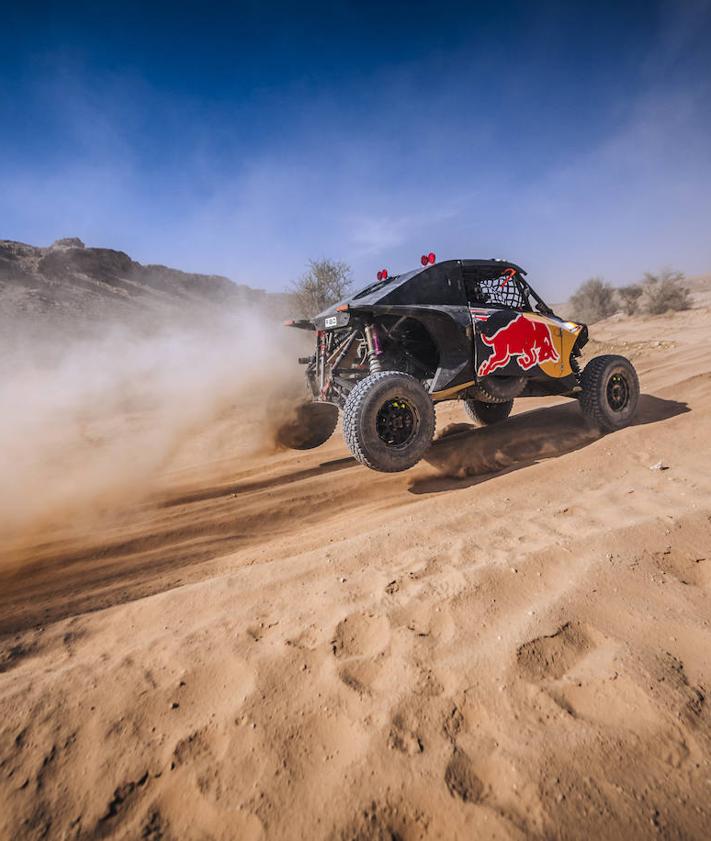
(529, 340)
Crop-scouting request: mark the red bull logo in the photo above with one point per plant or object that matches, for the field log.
(530, 341)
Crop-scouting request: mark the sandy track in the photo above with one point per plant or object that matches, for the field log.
(511, 640)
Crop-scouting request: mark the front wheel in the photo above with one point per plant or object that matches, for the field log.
(610, 392)
(485, 414)
(388, 421)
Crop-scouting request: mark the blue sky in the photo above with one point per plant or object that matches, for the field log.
(245, 138)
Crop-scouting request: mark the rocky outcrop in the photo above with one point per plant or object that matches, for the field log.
(69, 283)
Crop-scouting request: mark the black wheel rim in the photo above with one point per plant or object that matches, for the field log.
(618, 392)
(396, 422)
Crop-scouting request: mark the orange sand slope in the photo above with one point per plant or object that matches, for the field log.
(512, 640)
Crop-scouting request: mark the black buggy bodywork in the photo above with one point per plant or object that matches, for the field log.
(472, 330)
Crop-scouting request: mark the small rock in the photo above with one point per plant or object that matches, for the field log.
(174, 705)
(659, 466)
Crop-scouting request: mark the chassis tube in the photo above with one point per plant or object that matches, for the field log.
(341, 350)
(334, 361)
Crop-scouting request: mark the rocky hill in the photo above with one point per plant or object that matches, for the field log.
(69, 284)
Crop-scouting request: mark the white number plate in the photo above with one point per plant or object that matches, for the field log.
(331, 321)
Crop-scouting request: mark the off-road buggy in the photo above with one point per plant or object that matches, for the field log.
(469, 330)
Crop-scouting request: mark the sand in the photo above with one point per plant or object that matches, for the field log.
(512, 640)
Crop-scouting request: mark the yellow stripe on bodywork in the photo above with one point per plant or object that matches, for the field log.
(449, 392)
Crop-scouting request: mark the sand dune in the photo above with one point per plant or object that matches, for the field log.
(512, 640)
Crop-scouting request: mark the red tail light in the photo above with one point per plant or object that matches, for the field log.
(428, 259)
(379, 275)
(424, 260)
(384, 273)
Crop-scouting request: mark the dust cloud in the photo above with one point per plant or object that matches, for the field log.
(88, 423)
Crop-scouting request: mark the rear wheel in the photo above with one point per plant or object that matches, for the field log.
(610, 391)
(309, 426)
(485, 414)
(388, 421)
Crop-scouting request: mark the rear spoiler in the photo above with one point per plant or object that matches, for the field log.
(302, 324)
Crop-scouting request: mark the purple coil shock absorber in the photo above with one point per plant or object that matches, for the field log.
(374, 349)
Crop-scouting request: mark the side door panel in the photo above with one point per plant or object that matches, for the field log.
(512, 343)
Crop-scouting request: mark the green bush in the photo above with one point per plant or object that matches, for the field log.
(629, 297)
(593, 301)
(664, 292)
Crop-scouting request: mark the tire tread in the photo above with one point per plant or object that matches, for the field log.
(591, 381)
(501, 410)
(350, 417)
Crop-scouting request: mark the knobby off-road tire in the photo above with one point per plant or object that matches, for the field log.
(493, 389)
(388, 421)
(311, 425)
(485, 414)
(610, 392)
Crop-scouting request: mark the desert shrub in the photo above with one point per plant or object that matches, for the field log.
(593, 301)
(629, 297)
(325, 283)
(664, 292)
